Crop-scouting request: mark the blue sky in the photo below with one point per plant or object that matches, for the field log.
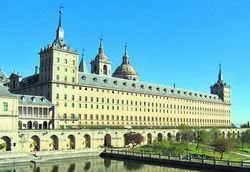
(178, 41)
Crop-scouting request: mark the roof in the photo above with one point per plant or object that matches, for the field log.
(4, 92)
(33, 100)
(30, 80)
(3, 76)
(145, 88)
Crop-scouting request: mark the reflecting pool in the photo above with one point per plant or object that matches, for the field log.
(91, 165)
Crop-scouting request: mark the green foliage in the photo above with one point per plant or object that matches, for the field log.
(245, 138)
(202, 137)
(187, 135)
(3, 146)
(223, 145)
(215, 134)
(246, 125)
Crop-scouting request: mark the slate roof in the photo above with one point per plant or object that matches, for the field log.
(4, 92)
(33, 100)
(3, 76)
(113, 83)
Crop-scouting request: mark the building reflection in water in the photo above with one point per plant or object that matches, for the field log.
(91, 165)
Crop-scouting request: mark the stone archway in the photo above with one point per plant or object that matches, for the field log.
(5, 143)
(87, 140)
(223, 134)
(160, 137)
(169, 136)
(149, 138)
(105, 70)
(20, 125)
(178, 137)
(71, 142)
(45, 125)
(107, 140)
(54, 142)
(35, 125)
(35, 145)
(29, 125)
(228, 134)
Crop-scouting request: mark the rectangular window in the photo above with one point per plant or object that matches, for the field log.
(5, 106)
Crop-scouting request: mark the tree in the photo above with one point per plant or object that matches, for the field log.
(245, 138)
(215, 134)
(222, 145)
(134, 138)
(202, 137)
(246, 125)
(187, 136)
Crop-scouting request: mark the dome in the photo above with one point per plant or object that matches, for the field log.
(126, 70)
(101, 55)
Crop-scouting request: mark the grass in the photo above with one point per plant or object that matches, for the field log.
(165, 147)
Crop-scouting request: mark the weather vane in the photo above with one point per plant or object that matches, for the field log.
(61, 7)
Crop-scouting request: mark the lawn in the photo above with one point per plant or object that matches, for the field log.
(176, 148)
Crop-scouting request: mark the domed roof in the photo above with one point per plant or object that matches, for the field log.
(126, 70)
(101, 55)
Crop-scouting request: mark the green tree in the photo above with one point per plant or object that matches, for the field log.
(222, 145)
(202, 137)
(245, 138)
(215, 134)
(187, 135)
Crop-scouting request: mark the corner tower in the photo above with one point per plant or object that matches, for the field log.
(58, 62)
(101, 64)
(221, 88)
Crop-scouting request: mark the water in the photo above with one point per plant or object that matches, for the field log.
(92, 165)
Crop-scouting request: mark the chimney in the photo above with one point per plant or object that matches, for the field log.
(36, 70)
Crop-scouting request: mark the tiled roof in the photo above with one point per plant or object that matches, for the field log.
(93, 80)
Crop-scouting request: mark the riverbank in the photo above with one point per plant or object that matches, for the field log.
(178, 161)
(11, 158)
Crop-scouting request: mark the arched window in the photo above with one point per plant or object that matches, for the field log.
(105, 70)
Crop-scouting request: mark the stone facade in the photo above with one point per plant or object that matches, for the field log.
(98, 99)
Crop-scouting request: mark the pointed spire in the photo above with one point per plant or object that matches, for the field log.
(101, 48)
(220, 77)
(59, 32)
(125, 57)
(82, 66)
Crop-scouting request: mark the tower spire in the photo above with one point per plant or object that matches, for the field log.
(125, 57)
(101, 48)
(59, 32)
(220, 77)
(82, 66)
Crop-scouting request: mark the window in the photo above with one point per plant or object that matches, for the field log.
(5, 106)
(65, 116)
(57, 77)
(65, 61)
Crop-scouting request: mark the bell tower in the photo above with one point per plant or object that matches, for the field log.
(101, 64)
(221, 88)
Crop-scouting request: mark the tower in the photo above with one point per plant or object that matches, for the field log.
(221, 88)
(101, 64)
(126, 70)
(58, 62)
